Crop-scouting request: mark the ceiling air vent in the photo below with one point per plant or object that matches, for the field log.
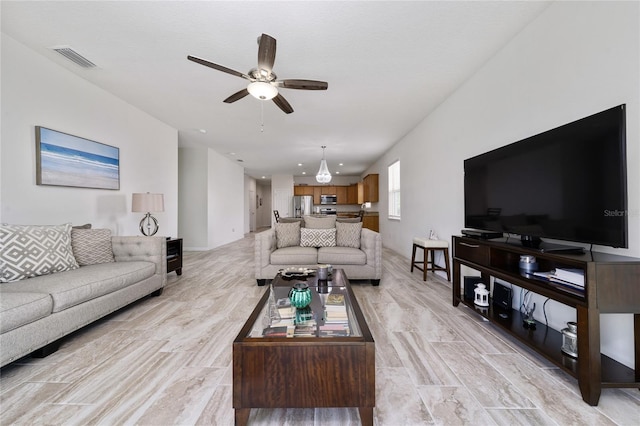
(74, 56)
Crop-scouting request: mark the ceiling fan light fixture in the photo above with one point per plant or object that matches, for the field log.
(263, 91)
(323, 175)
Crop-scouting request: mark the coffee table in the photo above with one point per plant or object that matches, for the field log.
(304, 372)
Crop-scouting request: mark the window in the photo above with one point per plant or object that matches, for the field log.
(394, 190)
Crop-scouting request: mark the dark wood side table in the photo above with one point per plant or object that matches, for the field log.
(174, 255)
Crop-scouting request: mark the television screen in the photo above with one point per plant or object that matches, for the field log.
(569, 183)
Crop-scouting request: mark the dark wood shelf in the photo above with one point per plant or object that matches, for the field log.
(612, 285)
(174, 255)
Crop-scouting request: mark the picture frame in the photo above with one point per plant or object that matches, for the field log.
(67, 160)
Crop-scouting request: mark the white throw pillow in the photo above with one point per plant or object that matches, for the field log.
(30, 250)
(318, 237)
(348, 234)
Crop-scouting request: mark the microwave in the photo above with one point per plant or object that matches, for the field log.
(328, 199)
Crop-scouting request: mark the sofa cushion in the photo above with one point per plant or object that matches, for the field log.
(295, 256)
(320, 222)
(341, 256)
(31, 250)
(18, 309)
(318, 237)
(83, 284)
(287, 234)
(91, 246)
(348, 234)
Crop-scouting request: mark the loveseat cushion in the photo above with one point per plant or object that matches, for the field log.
(86, 283)
(326, 222)
(341, 256)
(31, 250)
(18, 309)
(295, 256)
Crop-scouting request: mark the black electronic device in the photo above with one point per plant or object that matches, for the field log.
(470, 285)
(483, 235)
(502, 297)
(568, 183)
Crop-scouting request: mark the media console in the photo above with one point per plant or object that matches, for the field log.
(612, 285)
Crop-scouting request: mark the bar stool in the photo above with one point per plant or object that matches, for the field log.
(429, 247)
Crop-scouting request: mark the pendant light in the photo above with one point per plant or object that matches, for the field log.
(323, 175)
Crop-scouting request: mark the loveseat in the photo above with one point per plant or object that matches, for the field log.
(313, 241)
(49, 287)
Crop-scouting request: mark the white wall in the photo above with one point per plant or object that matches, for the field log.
(37, 92)
(192, 190)
(576, 59)
(213, 190)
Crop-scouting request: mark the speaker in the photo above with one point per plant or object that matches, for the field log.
(502, 296)
(470, 285)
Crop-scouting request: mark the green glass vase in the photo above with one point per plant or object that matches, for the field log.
(300, 295)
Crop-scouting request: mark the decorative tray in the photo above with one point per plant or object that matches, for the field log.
(297, 272)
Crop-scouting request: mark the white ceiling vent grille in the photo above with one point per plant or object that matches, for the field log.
(74, 56)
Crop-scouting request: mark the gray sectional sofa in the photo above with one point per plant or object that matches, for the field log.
(356, 250)
(35, 313)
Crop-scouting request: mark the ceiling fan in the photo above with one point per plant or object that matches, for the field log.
(263, 81)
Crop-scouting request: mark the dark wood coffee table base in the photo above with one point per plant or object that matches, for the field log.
(304, 372)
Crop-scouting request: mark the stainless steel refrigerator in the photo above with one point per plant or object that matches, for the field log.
(302, 205)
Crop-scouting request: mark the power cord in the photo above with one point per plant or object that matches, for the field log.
(544, 311)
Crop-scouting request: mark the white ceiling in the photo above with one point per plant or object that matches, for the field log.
(388, 65)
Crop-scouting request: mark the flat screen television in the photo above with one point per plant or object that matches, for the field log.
(568, 183)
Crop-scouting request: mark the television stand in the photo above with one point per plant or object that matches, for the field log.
(611, 286)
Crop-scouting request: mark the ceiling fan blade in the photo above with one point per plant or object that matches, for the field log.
(282, 104)
(302, 84)
(266, 52)
(217, 67)
(236, 96)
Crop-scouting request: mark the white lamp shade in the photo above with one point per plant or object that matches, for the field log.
(262, 90)
(147, 203)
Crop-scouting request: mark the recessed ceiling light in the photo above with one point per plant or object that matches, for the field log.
(203, 131)
(264, 177)
(337, 173)
(232, 153)
(304, 173)
(340, 164)
(299, 164)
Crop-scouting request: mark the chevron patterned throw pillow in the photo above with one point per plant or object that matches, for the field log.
(30, 250)
(318, 237)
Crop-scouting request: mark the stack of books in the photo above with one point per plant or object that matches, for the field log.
(335, 310)
(279, 331)
(569, 277)
(305, 330)
(331, 330)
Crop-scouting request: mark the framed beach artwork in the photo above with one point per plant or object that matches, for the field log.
(67, 160)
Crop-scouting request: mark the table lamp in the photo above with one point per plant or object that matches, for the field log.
(148, 203)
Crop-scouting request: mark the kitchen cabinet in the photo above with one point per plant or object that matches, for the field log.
(352, 194)
(317, 190)
(372, 222)
(328, 190)
(370, 183)
(303, 190)
(360, 186)
(341, 192)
